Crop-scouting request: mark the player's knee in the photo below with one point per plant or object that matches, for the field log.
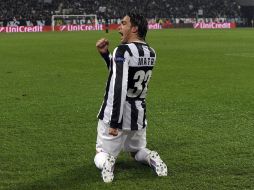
(142, 155)
(100, 159)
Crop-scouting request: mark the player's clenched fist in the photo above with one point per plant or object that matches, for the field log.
(102, 45)
(113, 131)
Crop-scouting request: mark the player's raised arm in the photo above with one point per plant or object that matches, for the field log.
(102, 47)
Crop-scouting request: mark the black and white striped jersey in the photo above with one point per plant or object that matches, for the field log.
(130, 69)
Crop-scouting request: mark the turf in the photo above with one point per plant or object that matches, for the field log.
(200, 111)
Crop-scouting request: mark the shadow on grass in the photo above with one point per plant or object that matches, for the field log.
(71, 179)
(88, 176)
(132, 170)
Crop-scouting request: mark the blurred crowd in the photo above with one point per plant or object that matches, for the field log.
(36, 12)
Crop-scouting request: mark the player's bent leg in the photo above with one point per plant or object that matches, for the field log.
(107, 147)
(153, 159)
(105, 162)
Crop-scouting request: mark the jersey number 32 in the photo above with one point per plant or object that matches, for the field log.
(140, 86)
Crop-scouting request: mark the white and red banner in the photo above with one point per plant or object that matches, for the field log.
(83, 27)
(214, 25)
(87, 27)
(69, 28)
(11, 29)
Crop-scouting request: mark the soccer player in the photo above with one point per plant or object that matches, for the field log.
(122, 117)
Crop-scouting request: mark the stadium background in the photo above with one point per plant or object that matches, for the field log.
(200, 101)
(39, 12)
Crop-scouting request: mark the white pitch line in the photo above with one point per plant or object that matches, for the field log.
(249, 55)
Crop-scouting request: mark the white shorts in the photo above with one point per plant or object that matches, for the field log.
(129, 141)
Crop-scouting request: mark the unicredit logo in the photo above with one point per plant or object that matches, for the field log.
(212, 25)
(10, 29)
(80, 27)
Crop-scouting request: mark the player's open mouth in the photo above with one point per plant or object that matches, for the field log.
(121, 35)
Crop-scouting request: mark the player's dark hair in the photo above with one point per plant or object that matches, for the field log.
(137, 19)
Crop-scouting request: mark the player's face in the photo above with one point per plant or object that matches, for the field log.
(125, 29)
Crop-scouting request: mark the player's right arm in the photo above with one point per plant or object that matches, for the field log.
(102, 47)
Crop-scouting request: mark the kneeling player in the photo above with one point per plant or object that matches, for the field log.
(122, 117)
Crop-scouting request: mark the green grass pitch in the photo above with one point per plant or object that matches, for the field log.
(200, 111)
